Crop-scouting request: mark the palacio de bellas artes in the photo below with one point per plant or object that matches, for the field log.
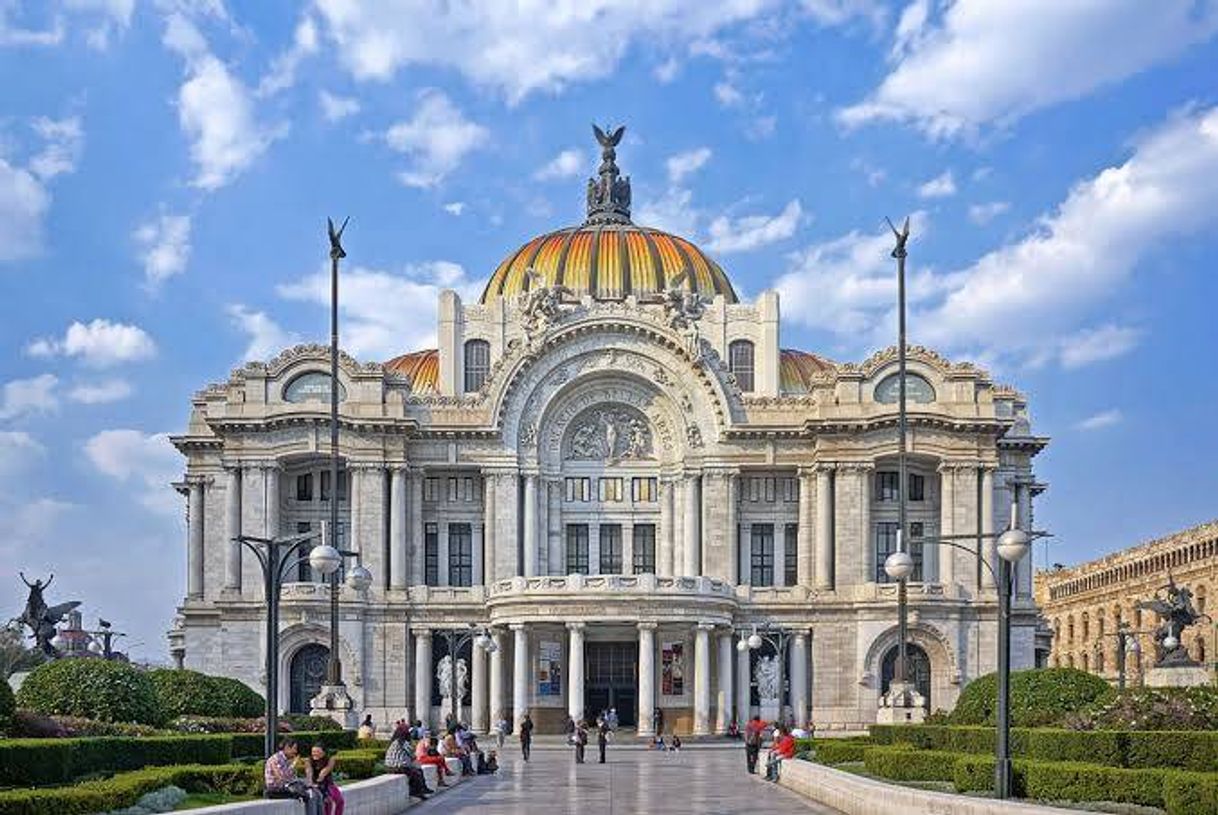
(614, 470)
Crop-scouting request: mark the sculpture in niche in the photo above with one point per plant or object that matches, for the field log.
(610, 435)
(542, 306)
(693, 436)
(444, 679)
(767, 677)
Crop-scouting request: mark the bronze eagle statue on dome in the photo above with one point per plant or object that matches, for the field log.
(609, 140)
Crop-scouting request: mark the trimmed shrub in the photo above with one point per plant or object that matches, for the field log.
(1193, 708)
(1186, 750)
(976, 774)
(900, 763)
(839, 751)
(187, 693)
(239, 699)
(1096, 747)
(101, 689)
(1075, 781)
(40, 762)
(1191, 793)
(125, 789)
(306, 723)
(8, 706)
(1038, 697)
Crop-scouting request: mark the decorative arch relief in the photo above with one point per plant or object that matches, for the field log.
(610, 433)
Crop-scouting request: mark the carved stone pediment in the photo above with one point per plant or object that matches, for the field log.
(609, 433)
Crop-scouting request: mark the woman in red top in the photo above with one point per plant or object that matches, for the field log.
(427, 752)
(784, 745)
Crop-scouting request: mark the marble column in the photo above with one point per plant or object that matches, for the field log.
(553, 547)
(272, 502)
(477, 574)
(575, 671)
(422, 675)
(947, 503)
(724, 665)
(743, 682)
(355, 499)
(987, 526)
(418, 550)
(702, 697)
(1023, 568)
(520, 674)
(690, 562)
(530, 525)
(490, 538)
(866, 491)
(732, 533)
(232, 528)
(397, 529)
(477, 702)
(647, 678)
(665, 544)
(496, 679)
(194, 540)
(806, 558)
(824, 528)
(798, 671)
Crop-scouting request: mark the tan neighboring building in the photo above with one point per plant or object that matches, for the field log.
(1085, 604)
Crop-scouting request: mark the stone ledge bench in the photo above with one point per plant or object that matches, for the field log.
(383, 795)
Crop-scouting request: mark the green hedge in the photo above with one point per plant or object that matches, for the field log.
(1145, 749)
(190, 693)
(8, 706)
(42, 762)
(124, 790)
(103, 689)
(901, 763)
(1191, 794)
(1039, 697)
(239, 698)
(839, 751)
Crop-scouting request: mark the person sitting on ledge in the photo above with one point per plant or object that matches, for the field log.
(319, 771)
(733, 730)
(282, 781)
(674, 744)
(399, 759)
(428, 752)
(490, 765)
(367, 730)
(782, 749)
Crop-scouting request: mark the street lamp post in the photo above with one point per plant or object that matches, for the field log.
(455, 639)
(1013, 545)
(779, 639)
(334, 666)
(275, 557)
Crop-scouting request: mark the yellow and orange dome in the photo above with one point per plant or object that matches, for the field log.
(610, 261)
(422, 368)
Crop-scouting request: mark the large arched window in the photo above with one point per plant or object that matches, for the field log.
(306, 673)
(477, 364)
(740, 363)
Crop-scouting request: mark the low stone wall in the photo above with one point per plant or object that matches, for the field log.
(383, 795)
(855, 795)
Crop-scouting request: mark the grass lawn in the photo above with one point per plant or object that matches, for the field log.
(207, 799)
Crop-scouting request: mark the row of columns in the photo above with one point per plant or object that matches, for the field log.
(732, 681)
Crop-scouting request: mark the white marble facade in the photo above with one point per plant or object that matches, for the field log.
(611, 488)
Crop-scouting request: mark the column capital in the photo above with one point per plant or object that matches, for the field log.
(421, 633)
(647, 626)
(365, 466)
(861, 467)
(576, 626)
(265, 464)
(807, 470)
(705, 626)
(825, 467)
(516, 626)
(197, 480)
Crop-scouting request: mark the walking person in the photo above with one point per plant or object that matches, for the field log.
(602, 739)
(753, 735)
(657, 720)
(580, 740)
(501, 730)
(526, 735)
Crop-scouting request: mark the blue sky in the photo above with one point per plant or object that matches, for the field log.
(166, 168)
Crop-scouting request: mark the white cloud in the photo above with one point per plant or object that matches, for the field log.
(518, 50)
(455, 207)
(283, 68)
(335, 108)
(164, 247)
(24, 195)
(115, 17)
(147, 459)
(667, 70)
(751, 232)
(672, 212)
(979, 62)
(215, 110)
(761, 127)
(63, 142)
(386, 314)
(266, 338)
(728, 95)
(982, 214)
(1085, 250)
(874, 175)
(941, 186)
(1097, 345)
(18, 452)
(1099, 421)
(98, 393)
(437, 138)
(28, 397)
(566, 164)
(683, 164)
(13, 35)
(100, 344)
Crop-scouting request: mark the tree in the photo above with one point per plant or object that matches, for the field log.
(15, 657)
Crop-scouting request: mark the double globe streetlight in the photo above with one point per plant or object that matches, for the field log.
(456, 639)
(778, 638)
(276, 556)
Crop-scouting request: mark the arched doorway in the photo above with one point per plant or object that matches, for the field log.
(307, 672)
(917, 670)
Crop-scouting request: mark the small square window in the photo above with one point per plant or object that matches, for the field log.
(304, 487)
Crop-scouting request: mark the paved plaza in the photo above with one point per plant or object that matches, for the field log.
(702, 780)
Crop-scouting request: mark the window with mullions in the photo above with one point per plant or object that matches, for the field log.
(790, 489)
(577, 548)
(609, 490)
(460, 555)
(325, 485)
(761, 555)
(740, 363)
(304, 487)
(644, 545)
(431, 489)
(643, 490)
(578, 489)
(477, 364)
(887, 486)
(790, 555)
(611, 548)
(886, 544)
(431, 554)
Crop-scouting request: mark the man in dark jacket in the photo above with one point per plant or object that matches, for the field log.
(602, 738)
(526, 735)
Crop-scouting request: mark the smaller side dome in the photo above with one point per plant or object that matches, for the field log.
(422, 368)
(796, 369)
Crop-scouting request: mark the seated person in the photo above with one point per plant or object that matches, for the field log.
(450, 748)
(675, 745)
(733, 730)
(282, 781)
(782, 749)
(399, 759)
(658, 742)
(428, 752)
(319, 772)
